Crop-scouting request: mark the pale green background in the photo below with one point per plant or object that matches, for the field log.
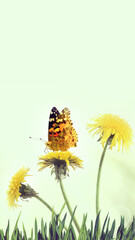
(75, 54)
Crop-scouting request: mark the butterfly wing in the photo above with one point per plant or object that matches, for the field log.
(61, 134)
(52, 122)
(73, 138)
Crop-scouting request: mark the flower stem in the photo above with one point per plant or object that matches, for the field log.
(45, 203)
(98, 180)
(48, 206)
(68, 206)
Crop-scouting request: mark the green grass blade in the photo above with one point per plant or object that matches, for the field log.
(42, 228)
(130, 231)
(16, 234)
(64, 219)
(91, 230)
(70, 236)
(20, 235)
(59, 230)
(61, 209)
(36, 230)
(54, 226)
(67, 233)
(20, 238)
(50, 231)
(107, 229)
(83, 228)
(73, 233)
(121, 229)
(111, 233)
(24, 232)
(32, 234)
(58, 233)
(96, 228)
(103, 228)
(45, 229)
(1, 235)
(7, 232)
(15, 227)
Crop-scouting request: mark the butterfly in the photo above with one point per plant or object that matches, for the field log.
(61, 134)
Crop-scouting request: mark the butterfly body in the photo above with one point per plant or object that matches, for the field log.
(61, 134)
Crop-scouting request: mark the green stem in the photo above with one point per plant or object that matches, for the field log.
(45, 203)
(68, 206)
(49, 207)
(98, 180)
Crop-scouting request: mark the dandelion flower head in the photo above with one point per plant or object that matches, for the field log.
(13, 193)
(113, 128)
(59, 162)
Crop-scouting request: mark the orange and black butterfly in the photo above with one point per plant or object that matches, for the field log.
(61, 134)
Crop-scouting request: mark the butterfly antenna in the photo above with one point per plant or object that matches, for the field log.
(37, 139)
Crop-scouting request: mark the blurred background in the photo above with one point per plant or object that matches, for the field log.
(75, 54)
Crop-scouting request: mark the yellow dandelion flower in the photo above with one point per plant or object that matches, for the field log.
(59, 162)
(113, 129)
(18, 189)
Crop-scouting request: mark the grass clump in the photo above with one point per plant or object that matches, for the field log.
(56, 230)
